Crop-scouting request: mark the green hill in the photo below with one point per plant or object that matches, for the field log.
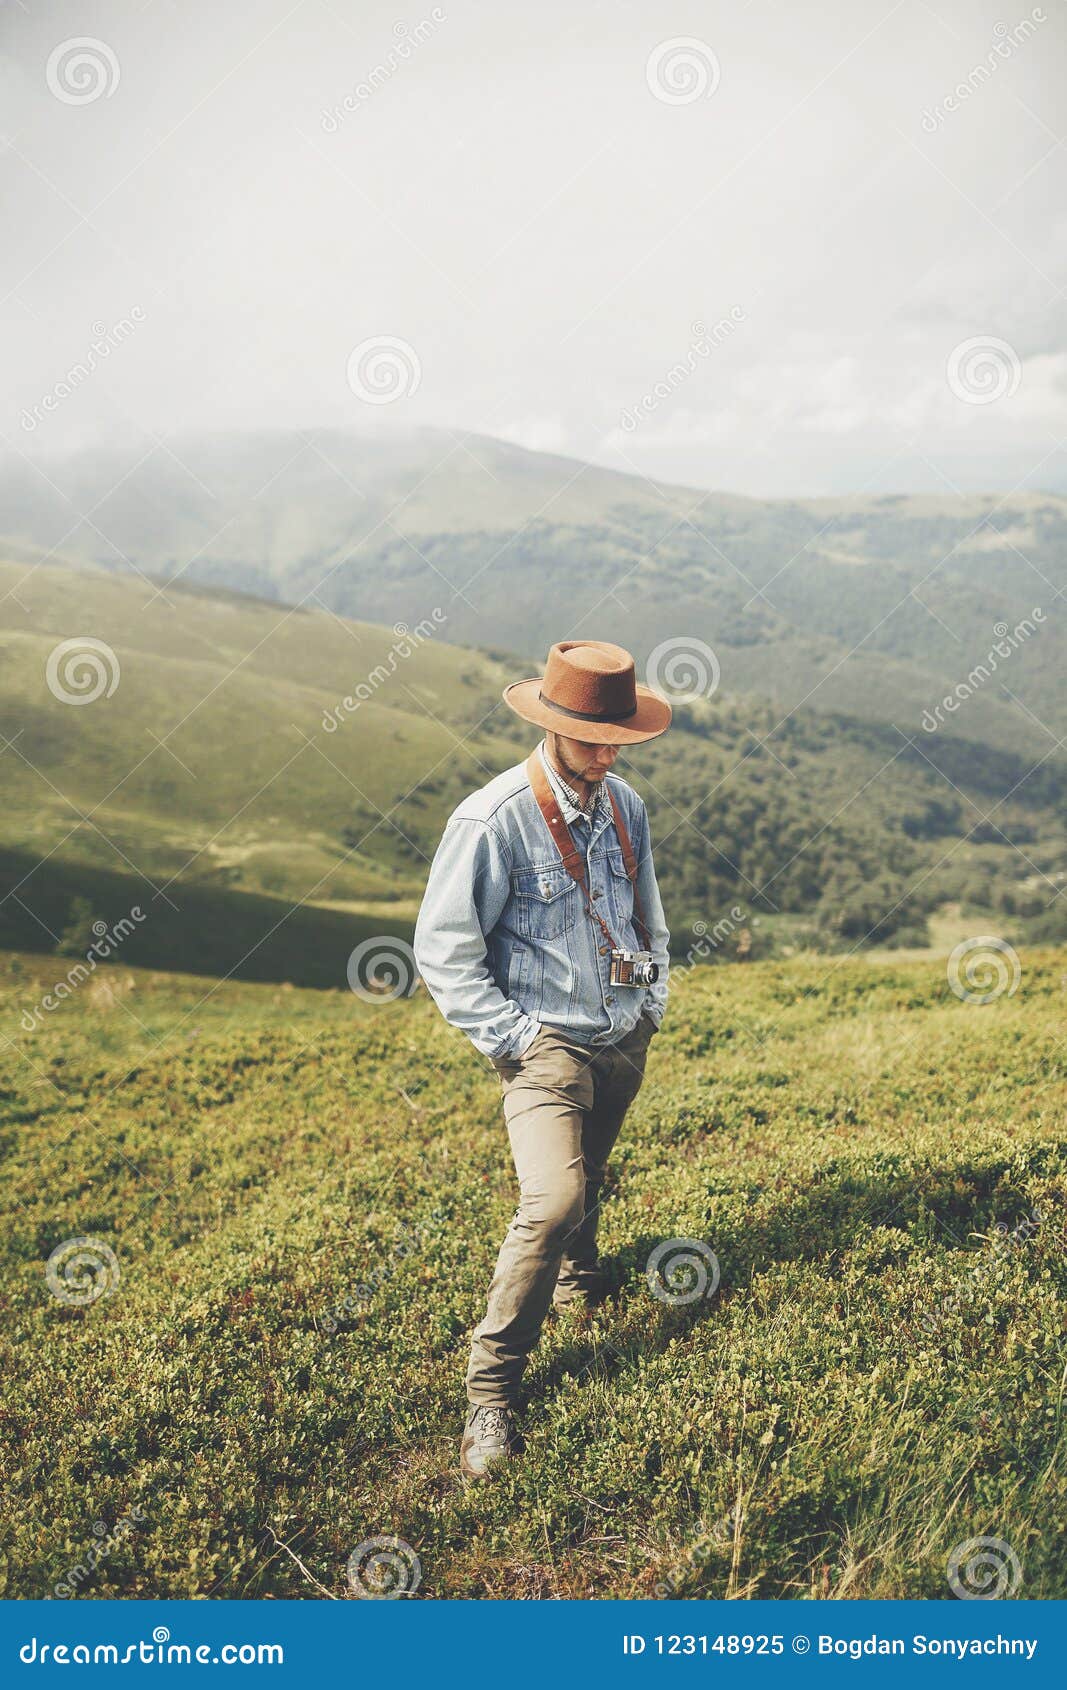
(870, 606)
(224, 786)
(206, 786)
(302, 1197)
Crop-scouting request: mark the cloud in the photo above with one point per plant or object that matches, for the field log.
(537, 434)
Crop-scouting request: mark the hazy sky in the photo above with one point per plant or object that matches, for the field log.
(233, 197)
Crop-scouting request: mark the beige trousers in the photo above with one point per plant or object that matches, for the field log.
(564, 1104)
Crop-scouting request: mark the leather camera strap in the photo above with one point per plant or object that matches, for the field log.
(570, 855)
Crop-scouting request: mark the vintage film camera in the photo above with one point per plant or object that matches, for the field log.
(633, 968)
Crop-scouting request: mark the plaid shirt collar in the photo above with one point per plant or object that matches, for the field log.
(569, 802)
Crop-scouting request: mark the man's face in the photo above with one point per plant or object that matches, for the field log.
(578, 757)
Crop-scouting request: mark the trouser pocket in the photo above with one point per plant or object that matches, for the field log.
(506, 1065)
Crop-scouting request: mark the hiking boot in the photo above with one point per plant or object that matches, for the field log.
(489, 1438)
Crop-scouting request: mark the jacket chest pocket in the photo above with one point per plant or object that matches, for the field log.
(546, 902)
(622, 891)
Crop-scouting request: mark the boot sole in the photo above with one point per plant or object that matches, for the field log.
(474, 1477)
(470, 1473)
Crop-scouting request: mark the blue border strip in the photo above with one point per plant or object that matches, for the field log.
(526, 1645)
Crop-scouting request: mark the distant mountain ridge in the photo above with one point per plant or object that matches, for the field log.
(871, 606)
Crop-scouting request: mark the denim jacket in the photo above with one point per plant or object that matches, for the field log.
(503, 940)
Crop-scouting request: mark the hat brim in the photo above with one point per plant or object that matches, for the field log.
(652, 717)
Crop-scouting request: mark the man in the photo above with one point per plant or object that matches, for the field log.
(541, 880)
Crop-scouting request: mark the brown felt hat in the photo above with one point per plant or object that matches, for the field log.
(589, 691)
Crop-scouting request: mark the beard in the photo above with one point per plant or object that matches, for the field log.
(575, 774)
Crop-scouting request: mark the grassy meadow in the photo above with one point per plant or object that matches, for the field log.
(304, 1193)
